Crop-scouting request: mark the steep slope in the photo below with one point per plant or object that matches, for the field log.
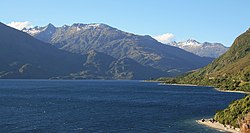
(236, 110)
(206, 49)
(81, 38)
(23, 56)
(230, 71)
(42, 33)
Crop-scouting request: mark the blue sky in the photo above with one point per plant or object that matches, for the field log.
(210, 20)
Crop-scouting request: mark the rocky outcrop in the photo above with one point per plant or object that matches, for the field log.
(244, 124)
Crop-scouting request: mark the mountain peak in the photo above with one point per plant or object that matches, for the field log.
(193, 41)
(205, 49)
(190, 42)
(50, 26)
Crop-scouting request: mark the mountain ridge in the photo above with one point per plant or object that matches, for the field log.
(81, 38)
(206, 49)
(24, 52)
(28, 58)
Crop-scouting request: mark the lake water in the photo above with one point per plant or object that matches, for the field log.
(106, 106)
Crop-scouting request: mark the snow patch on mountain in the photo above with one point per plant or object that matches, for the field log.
(190, 42)
(205, 49)
(32, 31)
(36, 30)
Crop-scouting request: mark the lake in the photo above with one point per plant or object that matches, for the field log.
(107, 106)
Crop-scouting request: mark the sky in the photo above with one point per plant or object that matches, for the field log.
(167, 20)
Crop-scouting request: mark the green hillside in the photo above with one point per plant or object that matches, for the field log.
(231, 71)
(233, 112)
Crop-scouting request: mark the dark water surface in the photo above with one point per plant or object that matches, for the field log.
(106, 106)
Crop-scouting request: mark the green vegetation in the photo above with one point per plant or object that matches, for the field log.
(233, 112)
(231, 71)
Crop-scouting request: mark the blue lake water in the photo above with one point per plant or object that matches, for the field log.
(106, 106)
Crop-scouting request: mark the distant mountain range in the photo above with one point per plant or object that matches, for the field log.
(89, 51)
(206, 49)
(82, 38)
(23, 56)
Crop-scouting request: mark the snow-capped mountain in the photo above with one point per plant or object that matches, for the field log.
(205, 49)
(43, 33)
(189, 42)
(49, 32)
(82, 38)
(50, 28)
(24, 57)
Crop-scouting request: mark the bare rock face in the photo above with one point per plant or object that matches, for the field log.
(245, 124)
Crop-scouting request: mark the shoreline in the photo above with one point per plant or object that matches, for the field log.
(218, 126)
(215, 125)
(231, 91)
(206, 122)
(179, 84)
(243, 92)
(153, 81)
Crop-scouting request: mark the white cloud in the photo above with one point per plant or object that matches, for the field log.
(20, 25)
(165, 38)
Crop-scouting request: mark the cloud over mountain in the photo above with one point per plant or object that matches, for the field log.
(20, 25)
(165, 38)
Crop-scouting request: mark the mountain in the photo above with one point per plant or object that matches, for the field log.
(102, 66)
(22, 56)
(43, 33)
(206, 49)
(82, 38)
(231, 71)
